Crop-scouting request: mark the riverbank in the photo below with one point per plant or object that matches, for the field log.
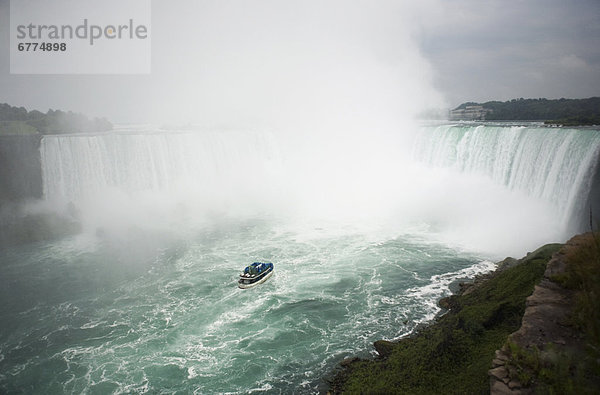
(455, 353)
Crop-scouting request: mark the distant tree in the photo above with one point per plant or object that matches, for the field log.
(54, 121)
(576, 110)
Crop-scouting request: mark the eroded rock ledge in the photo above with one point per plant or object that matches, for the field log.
(545, 329)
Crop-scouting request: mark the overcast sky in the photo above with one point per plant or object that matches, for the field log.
(498, 50)
(273, 62)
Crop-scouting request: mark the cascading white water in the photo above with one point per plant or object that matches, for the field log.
(227, 172)
(531, 177)
(551, 164)
(76, 167)
(139, 178)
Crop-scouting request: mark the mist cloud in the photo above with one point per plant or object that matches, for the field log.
(260, 64)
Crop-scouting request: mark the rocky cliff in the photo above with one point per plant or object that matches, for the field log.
(549, 298)
(551, 351)
(20, 167)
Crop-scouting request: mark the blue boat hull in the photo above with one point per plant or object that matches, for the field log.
(249, 280)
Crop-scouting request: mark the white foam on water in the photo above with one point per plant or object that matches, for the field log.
(359, 242)
(439, 286)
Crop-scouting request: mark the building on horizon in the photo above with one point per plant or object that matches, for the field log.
(469, 113)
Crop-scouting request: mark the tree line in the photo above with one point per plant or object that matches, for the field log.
(17, 120)
(559, 111)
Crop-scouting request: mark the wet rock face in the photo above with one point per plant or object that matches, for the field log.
(18, 228)
(591, 212)
(348, 361)
(20, 168)
(384, 348)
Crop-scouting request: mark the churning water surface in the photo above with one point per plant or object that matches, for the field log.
(98, 315)
(145, 299)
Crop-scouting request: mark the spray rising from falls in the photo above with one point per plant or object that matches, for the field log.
(138, 176)
(555, 166)
(76, 167)
(496, 179)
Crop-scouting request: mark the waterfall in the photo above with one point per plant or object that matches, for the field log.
(76, 167)
(496, 179)
(555, 165)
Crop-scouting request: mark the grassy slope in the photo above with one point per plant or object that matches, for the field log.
(454, 354)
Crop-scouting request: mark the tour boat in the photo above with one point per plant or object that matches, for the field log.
(255, 274)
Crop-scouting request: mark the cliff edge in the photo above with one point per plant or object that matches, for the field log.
(556, 347)
(532, 326)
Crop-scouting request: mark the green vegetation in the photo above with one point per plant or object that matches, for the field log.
(576, 121)
(17, 120)
(570, 112)
(454, 354)
(570, 370)
(550, 371)
(583, 276)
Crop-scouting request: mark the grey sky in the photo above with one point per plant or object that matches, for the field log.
(498, 50)
(262, 62)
